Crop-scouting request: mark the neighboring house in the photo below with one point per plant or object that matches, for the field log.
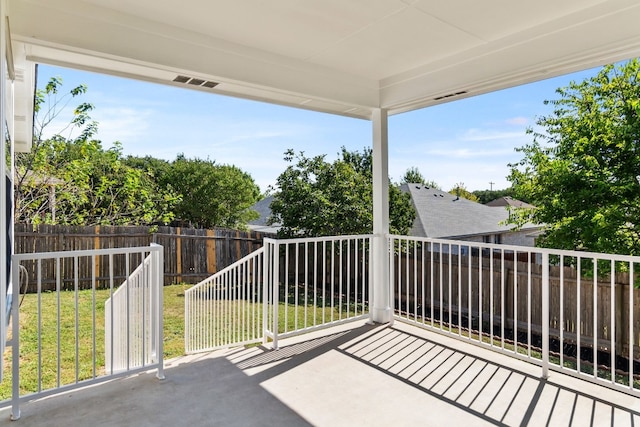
(443, 215)
(509, 202)
(263, 207)
(440, 215)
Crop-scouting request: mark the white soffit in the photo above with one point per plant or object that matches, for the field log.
(339, 56)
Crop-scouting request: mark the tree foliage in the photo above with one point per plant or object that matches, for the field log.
(69, 178)
(317, 198)
(460, 190)
(212, 195)
(485, 196)
(413, 176)
(583, 170)
(72, 180)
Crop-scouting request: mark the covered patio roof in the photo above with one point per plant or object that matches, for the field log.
(336, 56)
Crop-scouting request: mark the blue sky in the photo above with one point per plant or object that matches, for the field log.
(469, 141)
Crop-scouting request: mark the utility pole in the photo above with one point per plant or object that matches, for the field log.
(491, 185)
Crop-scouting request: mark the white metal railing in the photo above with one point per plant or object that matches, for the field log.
(226, 308)
(315, 283)
(574, 312)
(128, 322)
(61, 325)
(285, 288)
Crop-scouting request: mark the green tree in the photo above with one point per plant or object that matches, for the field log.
(152, 166)
(79, 183)
(582, 170)
(318, 198)
(212, 195)
(460, 190)
(485, 196)
(413, 176)
(72, 180)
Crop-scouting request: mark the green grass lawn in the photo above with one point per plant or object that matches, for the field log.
(79, 368)
(86, 334)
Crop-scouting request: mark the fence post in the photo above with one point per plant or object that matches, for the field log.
(15, 342)
(370, 290)
(266, 276)
(391, 279)
(157, 256)
(545, 315)
(275, 264)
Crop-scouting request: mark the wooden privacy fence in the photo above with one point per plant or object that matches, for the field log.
(190, 255)
(460, 288)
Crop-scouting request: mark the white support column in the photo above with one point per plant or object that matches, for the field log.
(381, 298)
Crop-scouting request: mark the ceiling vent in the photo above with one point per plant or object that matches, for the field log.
(450, 95)
(193, 81)
(181, 79)
(19, 75)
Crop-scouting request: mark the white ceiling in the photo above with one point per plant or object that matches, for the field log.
(339, 56)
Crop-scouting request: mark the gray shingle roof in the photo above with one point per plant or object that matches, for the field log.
(440, 214)
(263, 207)
(509, 201)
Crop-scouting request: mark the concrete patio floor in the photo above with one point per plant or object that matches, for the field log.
(353, 375)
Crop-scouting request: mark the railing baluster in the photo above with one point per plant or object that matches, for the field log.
(502, 298)
(515, 302)
(631, 334)
(58, 288)
(423, 288)
(431, 275)
(127, 315)
(561, 309)
(286, 287)
(306, 281)
(333, 276)
(76, 317)
(406, 279)
(315, 284)
(545, 315)
(529, 343)
(323, 281)
(491, 313)
(612, 331)
(480, 294)
(348, 295)
(93, 317)
(469, 293)
(449, 288)
(578, 313)
(296, 282)
(595, 318)
(440, 280)
(39, 325)
(459, 290)
(341, 261)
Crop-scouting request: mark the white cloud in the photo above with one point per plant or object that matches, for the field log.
(518, 121)
(475, 134)
(126, 125)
